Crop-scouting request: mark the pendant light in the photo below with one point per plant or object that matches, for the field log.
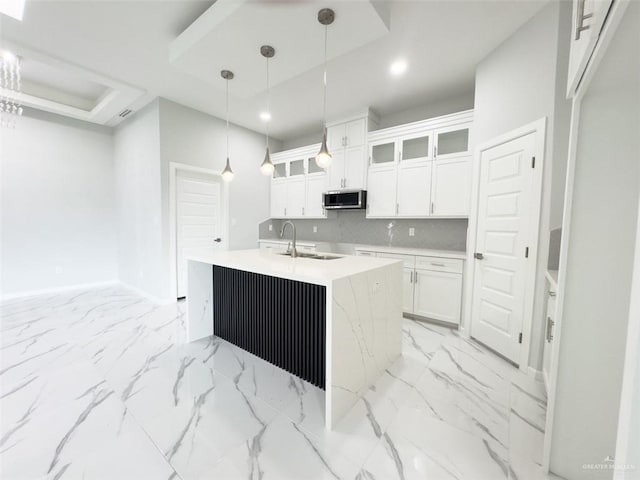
(227, 173)
(267, 166)
(326, 16)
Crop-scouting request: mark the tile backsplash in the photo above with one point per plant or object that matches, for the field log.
(351, 226)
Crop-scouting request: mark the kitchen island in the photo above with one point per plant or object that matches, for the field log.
(334, 322)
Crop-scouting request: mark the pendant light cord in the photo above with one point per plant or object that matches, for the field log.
(268, 104)
(227, 120)
(324, 107)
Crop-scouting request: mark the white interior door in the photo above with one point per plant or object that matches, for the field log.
(198, 219)
(504, 211)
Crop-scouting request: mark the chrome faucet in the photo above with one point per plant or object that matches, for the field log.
(294, 252)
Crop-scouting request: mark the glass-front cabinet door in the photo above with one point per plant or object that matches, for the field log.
(382, 152)
(415, 148)
(296, 167)
(313, 168)
(452, 141)
(280, 170)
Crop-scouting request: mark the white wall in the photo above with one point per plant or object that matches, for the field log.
(56, 211)
(600, 262)
(139, 203)
(195, 138)
(516, 84)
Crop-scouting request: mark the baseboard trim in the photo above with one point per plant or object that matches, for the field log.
(49, 291)
(148, 296)
(536, 374)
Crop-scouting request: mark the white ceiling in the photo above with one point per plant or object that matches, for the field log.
(130, 41)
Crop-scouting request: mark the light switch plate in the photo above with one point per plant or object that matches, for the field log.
(270, 228)
(315, 229)
(412, 232)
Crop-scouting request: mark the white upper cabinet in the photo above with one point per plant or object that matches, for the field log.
(588, 20)
(336, 171)
(426, 165)
(414, 190)
(296, 197)
(347, 143)
(297, 184)
(416, 148)
(355, 167)
(451, 141)
(278, 199)
(381, 193)
(451, 187)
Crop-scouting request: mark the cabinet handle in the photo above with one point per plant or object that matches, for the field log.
(411, 277)
(580, 18)
(285, 211)
(438, 264)
(302, 210)
(431, 208)
(435, 151)
(399, 155)
(415, 277)
(397, 208)
(552, 293)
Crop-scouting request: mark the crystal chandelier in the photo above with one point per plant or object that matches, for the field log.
(10, 88)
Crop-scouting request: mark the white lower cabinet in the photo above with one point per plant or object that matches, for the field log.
(431, 286)
(437, 295)
(407, 290)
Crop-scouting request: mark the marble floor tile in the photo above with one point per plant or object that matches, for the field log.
(100, 384)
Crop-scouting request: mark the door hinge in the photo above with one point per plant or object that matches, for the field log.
(520, 338)
(533, 162)
(526, 252)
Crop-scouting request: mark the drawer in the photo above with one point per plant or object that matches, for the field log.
(409, 260)
(437, 264)
(365, 253)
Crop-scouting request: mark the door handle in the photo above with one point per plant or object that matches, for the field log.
(217, 240)
(478, 256)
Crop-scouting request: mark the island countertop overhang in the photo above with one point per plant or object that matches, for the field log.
(318, 272)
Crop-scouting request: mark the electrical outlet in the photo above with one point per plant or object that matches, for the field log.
(412, 232)
(270, 228)
(315, 229)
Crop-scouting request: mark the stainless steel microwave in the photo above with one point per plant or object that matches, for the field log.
(345, 199)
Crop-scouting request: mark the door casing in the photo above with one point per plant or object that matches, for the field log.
(174, 167)
(539, 129)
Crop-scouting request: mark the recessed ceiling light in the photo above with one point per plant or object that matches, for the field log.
(398, 67)
(12, 8)
(265, 116)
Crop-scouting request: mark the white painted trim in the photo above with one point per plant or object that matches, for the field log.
(537, 375)
(151, 298)
(539, 128)
(434, 123)
(631, 365)
(173, 172)
(606, 35)
(117, 96)
(49, 291)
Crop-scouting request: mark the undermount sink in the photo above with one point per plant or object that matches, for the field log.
(315, 256)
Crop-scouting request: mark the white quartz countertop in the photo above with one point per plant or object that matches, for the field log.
(319, 272)
(413, 251)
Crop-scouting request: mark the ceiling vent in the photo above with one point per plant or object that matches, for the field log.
(124, 112)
